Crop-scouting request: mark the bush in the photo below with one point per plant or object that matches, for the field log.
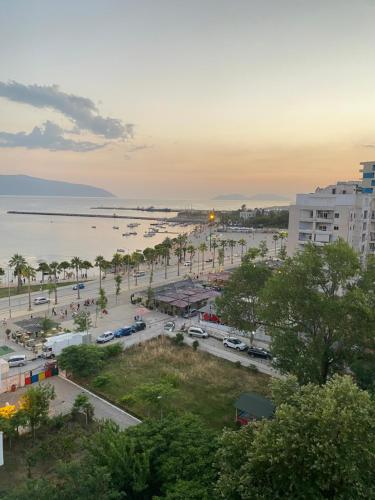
(178, 339)
(57, 422)
(101, 380)
(128, 399)
(81, 360)
(112, 350)
(195, 345)
(237, 364)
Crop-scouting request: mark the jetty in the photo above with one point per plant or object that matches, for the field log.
(102, 216)
(139, 209)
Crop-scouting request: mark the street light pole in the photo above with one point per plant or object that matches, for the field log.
(10, 309)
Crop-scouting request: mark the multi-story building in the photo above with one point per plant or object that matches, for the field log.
(345, 210)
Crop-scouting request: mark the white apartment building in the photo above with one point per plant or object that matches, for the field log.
(345, 210)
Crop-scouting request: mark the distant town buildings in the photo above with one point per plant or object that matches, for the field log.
(345, 210)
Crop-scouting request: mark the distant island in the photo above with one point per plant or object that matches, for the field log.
(255, 197)
(24, 185)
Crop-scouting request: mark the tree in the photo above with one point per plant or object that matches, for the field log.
(191, 251)
(220, 256)
(178, 254)
(282, 253)
(118, 281)
(238, 306)
(35, 405)
(102, 299)
(86, 265)
(82, 405)
(81, 360)
(242, 244)
(82, 321)
(263, 249)
(64, 266)
(76, 264)
(17, 262)
(231, 244)
(100, 263)
(318, 312)
(43, 268)
(320, 445)
(116, 262)
(154, 395)
(275, 238)
(214, 246)
(28, 272)
(54, 268)
(203, 248)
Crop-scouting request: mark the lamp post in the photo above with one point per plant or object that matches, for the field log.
(10, 309)
(211, 220)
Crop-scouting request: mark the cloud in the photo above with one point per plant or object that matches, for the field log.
(138, 147)
(80, 110)
(48, 136)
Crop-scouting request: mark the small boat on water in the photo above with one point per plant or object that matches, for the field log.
(149, 234)
(133, 224)
(120, 250)
(133, 233)
(126, 234)
(93, 227)
(115, 227)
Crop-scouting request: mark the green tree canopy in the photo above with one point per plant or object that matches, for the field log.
(320, 445)
(318, 312)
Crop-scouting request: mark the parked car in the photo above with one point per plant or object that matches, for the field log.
(234, 343)
(17, 360)
(258, 352)
(208, 260)
(187, 264)
(80, 286)
(138, 326)
(123, 332)
(191, 313)
(41, 300)
(197, 331)
(139, 274)
(169, 326)
(105, 337)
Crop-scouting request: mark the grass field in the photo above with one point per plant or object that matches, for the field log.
(34, 288)
(4, 349)
(203, 384)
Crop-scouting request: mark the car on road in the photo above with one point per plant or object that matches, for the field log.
(191, 313)
(17, 360)
(105, 337)
(138, 326)
(234, 343)
(139, 274)
(79, 286)
(41, 300)
(197, 331)
(169, 326)
(208, 260)
(187, 264)
(124, 331)
(259, 352)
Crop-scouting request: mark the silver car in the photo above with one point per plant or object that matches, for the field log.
(197, 331)
(17, 360)
(235, 343)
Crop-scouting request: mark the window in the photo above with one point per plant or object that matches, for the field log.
(333, 191)
(367, 190)
(364, 226)
(368, 175)
(365, 214)
(336, 228)
(363, 237)
(337, 215)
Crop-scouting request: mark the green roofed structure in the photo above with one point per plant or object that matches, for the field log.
(251, 406)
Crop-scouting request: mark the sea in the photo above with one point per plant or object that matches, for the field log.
(56, 238)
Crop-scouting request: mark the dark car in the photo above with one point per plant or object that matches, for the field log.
(138, 326)
(123, 332)
(80, 286)
(258, 352)
(191, 313)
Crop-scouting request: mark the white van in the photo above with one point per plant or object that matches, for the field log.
(197, 331)
(41, 300)
(17, 360)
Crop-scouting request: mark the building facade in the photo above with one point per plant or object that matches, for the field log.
(345, 210)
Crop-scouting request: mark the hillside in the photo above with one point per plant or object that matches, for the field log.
(24, 185)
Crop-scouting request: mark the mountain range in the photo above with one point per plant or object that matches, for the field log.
(255, 197)
(24, 185)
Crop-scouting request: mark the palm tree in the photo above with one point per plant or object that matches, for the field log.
(64, 266)
(164, 252)
(44, 269)
(116, 261)
(18, 262)
(191, 251)
(275, 237)
(242, 244)
(282, 236)
(214, 246)
(231, 244)
(223, 244)
(178, 254)
(86, 265)
(28, 272)
(202, 248)
(75, 264)
(99, 262)
(54, 268)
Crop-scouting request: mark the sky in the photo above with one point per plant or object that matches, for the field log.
(187, 99)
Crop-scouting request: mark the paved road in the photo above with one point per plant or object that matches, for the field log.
(66, 392)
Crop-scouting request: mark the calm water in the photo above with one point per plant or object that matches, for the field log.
(61, 238)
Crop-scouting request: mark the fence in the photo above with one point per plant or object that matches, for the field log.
(14, 382)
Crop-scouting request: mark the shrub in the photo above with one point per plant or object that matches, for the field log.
(253, 368)
(178, 339)
(101, 380)
(237, 364)
(128, 399)
(81, 360)
(112, 350)
(172, 379)
(195, 345)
